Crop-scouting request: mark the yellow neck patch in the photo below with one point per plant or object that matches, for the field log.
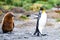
(43, 11)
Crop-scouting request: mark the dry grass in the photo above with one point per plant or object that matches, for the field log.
(57, 11)
(53, 14)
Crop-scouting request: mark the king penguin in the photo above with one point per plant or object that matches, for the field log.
(41, 22)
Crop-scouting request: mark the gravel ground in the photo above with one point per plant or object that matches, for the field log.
(24, 31)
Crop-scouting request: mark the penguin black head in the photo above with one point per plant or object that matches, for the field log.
(42, 10)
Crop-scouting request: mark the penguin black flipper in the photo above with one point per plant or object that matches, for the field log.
(37, 30)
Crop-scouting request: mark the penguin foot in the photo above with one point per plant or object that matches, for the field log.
(43, 34)
(35, 33)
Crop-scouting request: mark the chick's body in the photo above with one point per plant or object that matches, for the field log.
(8, 23)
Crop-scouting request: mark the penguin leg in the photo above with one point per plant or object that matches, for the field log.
(39, 33)
(41, 29)
(35, 32)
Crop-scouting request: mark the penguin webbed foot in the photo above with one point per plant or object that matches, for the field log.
(43, 34)
(37, 33)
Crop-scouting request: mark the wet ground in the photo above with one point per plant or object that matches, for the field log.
(24, 31)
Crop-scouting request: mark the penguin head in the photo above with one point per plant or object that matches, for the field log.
(42, 10)
(10, 14)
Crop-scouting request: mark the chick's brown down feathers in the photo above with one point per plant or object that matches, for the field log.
(8, 22)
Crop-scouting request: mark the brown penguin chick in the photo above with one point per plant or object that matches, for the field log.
(8, 22)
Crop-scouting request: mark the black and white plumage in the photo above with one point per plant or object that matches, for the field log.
(41, 22)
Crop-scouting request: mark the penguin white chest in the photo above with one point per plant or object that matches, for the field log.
(42, 22)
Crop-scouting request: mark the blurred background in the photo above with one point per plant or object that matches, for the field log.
(28, 4)
(28, 7)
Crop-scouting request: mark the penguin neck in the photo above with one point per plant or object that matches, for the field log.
(43, 12)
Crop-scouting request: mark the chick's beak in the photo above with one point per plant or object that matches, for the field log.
(13, 15)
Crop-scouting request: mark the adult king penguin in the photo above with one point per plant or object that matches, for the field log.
(41, 22)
